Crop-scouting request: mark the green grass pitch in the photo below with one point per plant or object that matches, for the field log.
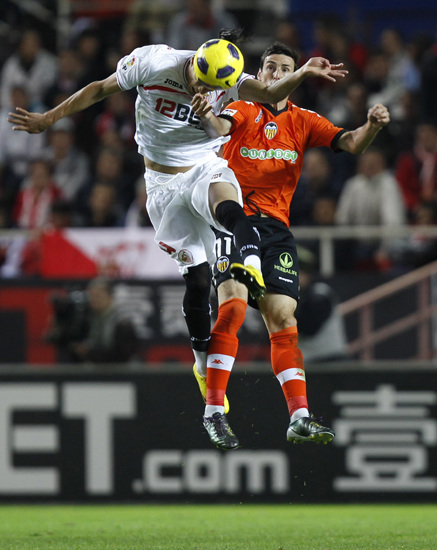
(219, 527)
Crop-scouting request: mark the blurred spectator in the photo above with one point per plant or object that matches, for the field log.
(401, 130)
(102, 209)
(401, 75)
(30, 67)
(71, 166)
(322, 335)
(119, 117)
(26, 260)
(137, 215)
(288, 33)
(109, 170)
(376, 73)
(90, 50)
(70, 74)
(416, 170)
(317, 180)
(196, 24)
(372, 197)
(17, 149)
(323, 214)
(102, 334)
(151, 17)
(333, 42)
(351, 112)
(131, 38)
(418, 249)
(428, 96)
(38, 193)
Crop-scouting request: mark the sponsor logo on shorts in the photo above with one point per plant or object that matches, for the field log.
(286, 280)
(270, 130)
(286, 261)
(222, 264)
(267, 154)
(185, 257)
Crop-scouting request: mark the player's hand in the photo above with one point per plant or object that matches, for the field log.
(378, 115)
(201, 105)
(319, 66)
(32, 123)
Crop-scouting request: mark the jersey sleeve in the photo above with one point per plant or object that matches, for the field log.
(133, 69)
(322, 133)
(236, 112)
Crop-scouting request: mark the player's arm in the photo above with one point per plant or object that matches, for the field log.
(357, 141)
(35, 123)
(214, 126)
(255, 90)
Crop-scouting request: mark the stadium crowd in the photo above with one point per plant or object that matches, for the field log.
(86, 172)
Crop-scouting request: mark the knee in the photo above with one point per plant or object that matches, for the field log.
(280, 319)
(198, 285)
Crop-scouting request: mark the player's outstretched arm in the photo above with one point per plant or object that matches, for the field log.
(255, 90)
(213, 126)
(35, 123)
(357, 141)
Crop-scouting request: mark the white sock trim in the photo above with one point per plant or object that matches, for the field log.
(302, 412)
(291, 374)
(254, 261)
(211, 409)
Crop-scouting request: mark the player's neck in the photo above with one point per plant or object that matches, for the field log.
(280, 105)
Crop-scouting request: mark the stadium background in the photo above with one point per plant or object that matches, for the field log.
(133, 431)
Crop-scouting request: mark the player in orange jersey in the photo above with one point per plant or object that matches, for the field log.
(266, 153)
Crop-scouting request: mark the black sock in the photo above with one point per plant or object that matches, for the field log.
(196, 307)
(231, 215)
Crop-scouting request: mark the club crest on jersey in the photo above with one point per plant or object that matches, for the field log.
(270, 130)
(185, 257)
(222, 264)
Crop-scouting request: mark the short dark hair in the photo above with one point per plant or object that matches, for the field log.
(280, 49)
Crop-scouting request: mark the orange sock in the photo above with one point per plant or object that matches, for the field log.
(287, 364)
(223, 348)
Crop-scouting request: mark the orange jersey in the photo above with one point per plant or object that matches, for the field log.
(266, 151)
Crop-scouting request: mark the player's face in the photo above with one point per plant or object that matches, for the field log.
(196, 86)
(276, 66)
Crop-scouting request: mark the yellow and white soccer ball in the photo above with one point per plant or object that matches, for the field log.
(218, 64)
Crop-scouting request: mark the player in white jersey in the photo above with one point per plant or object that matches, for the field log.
(189, 187)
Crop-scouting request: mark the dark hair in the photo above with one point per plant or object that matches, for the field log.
(236, 36)
(280, 49)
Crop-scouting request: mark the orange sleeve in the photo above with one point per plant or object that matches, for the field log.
(237, 113)
(321, 131)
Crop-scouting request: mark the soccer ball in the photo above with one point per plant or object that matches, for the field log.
(218, 64)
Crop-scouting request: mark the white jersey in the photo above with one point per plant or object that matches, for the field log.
(167, 129)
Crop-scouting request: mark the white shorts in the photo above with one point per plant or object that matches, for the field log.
(178, 207)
